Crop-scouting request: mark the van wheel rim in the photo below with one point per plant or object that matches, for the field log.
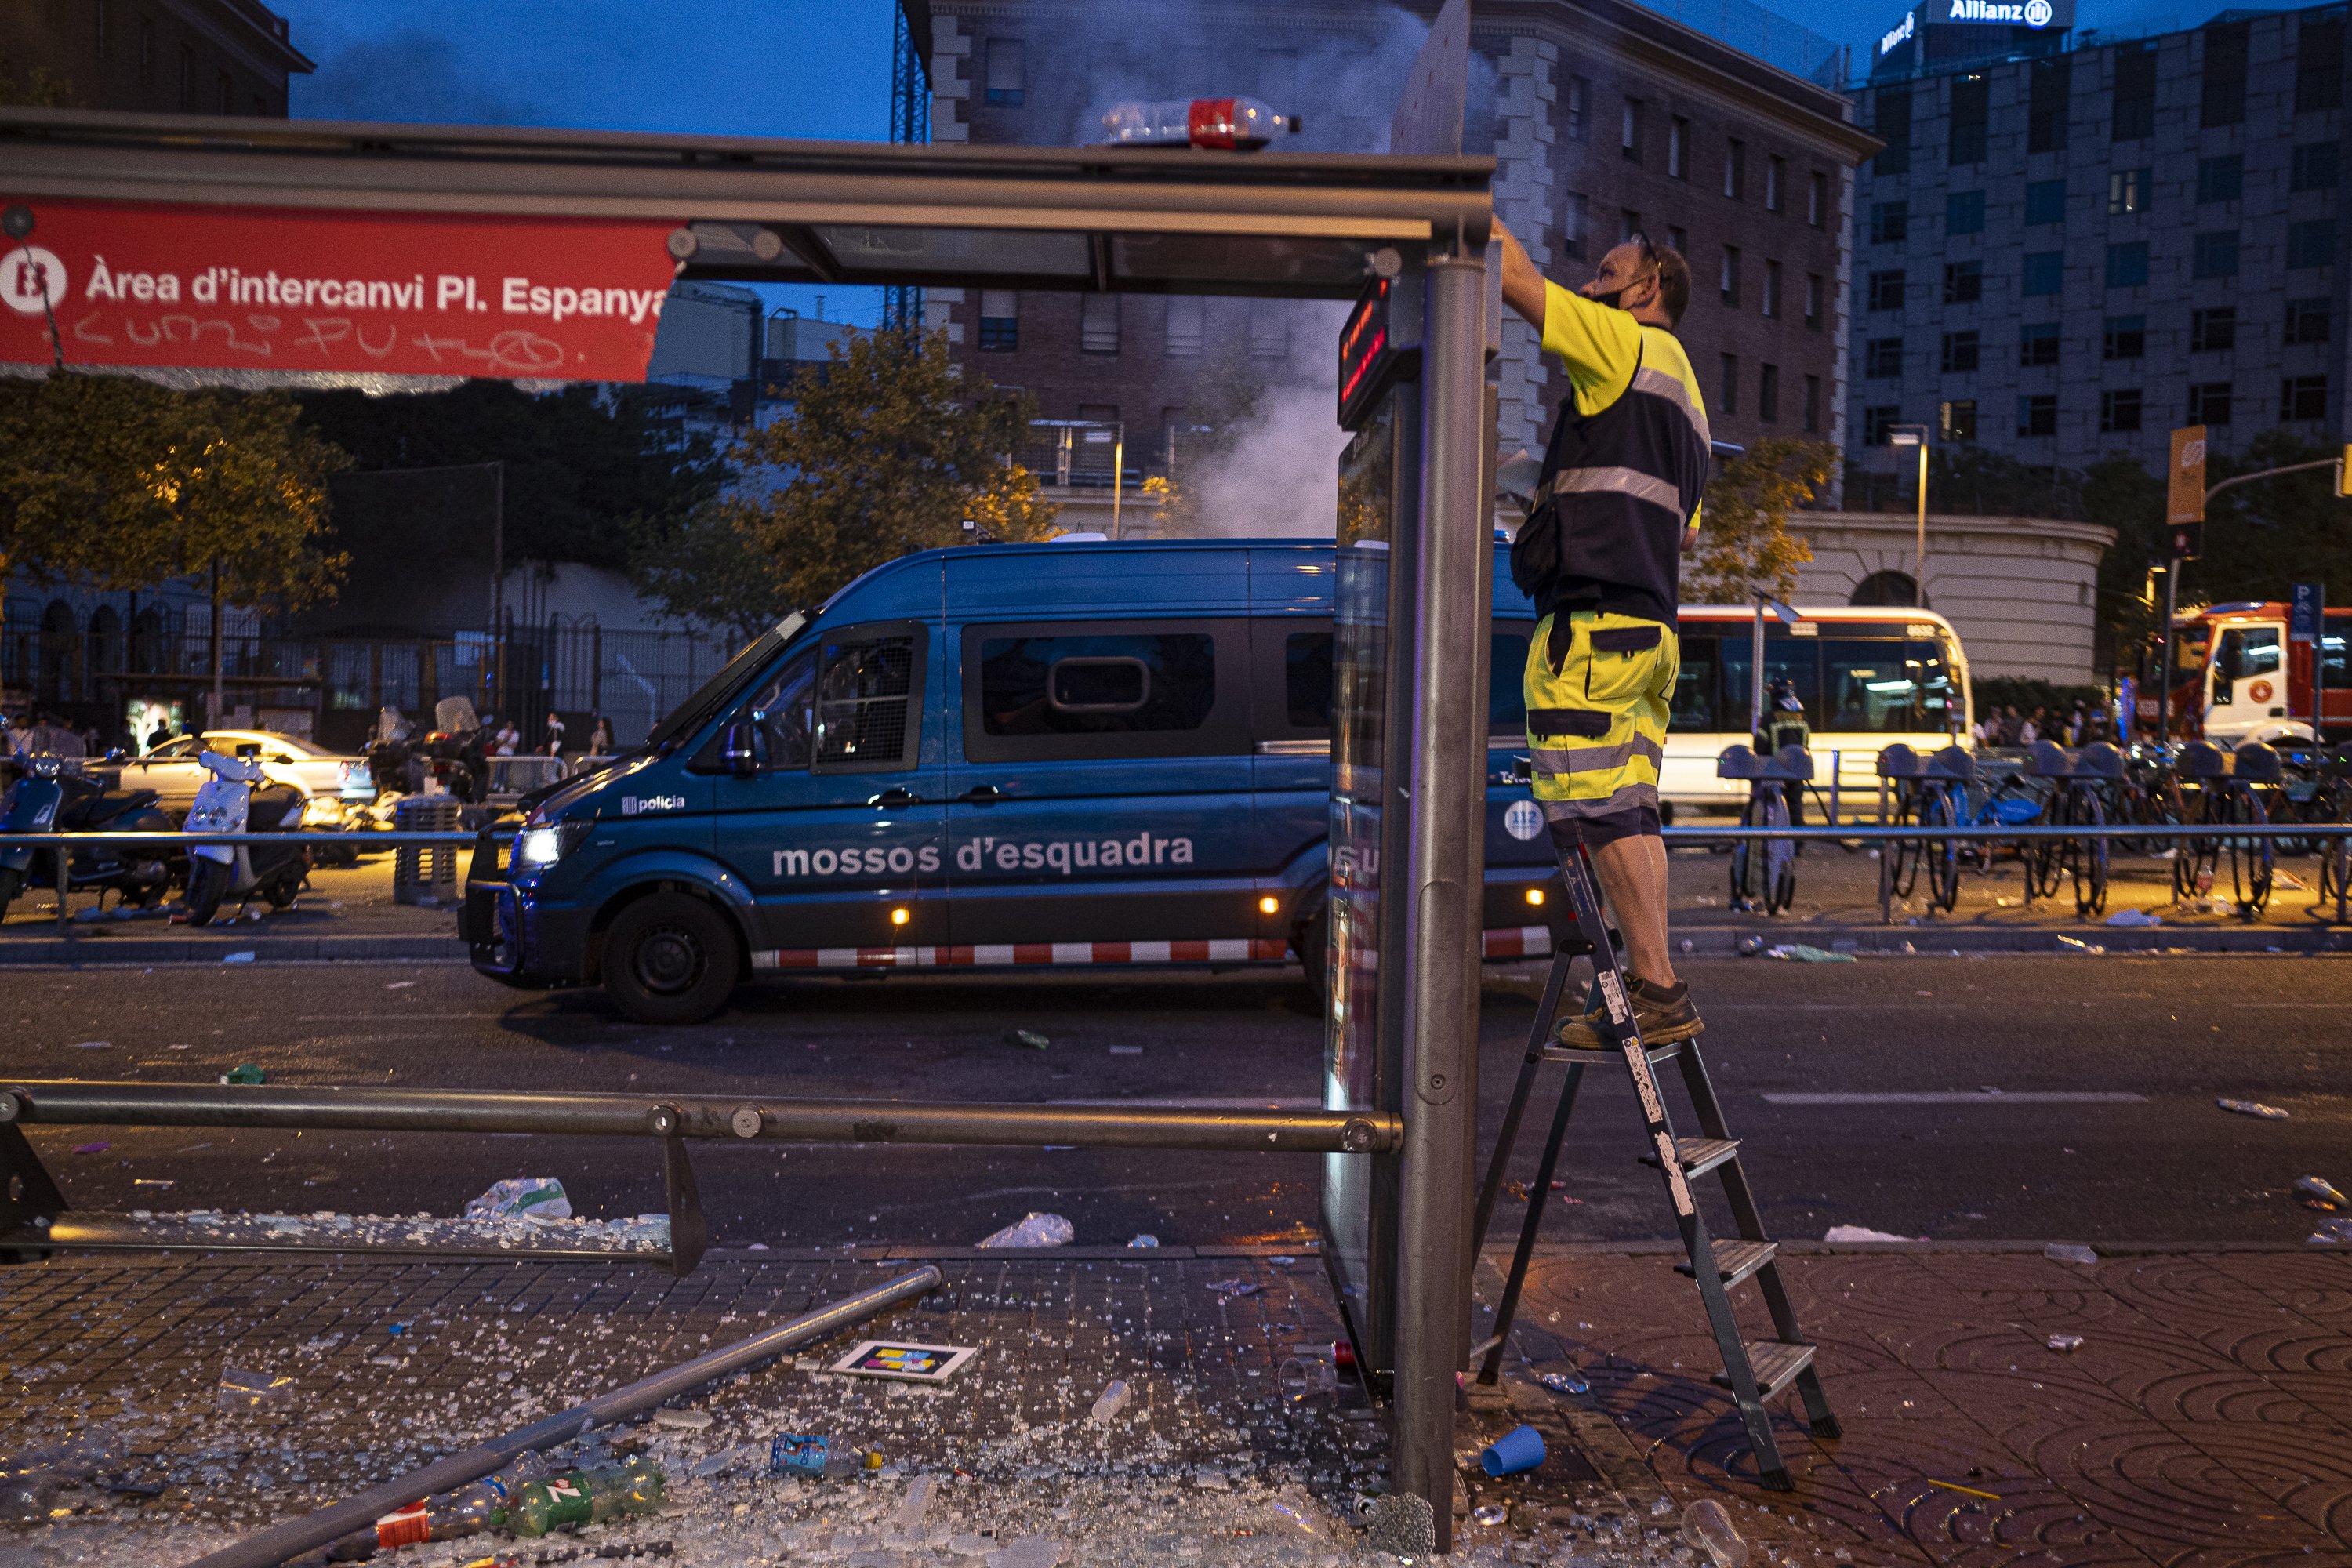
(667, 961)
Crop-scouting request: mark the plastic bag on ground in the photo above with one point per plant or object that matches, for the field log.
(2069, 1252)
(1802, 953)
(1864, 1233)
(533, 1196)
(243, 1390)
(2134, 918)
(1034, 1230)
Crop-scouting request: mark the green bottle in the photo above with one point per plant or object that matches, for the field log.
(585, 1496)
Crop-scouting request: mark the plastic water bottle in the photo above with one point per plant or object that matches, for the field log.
(1222, 124)
(586, 1497)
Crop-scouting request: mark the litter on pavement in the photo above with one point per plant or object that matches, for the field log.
(1707, 1529)
(1864, 1233)
(1028, 1038)
(2252, 1107)
(244, 1072)
(903, 1361)
(2331, 1232)
(1566, 1383)
(2134, 918)
(2065, 1342)
(1034, 1230)
(1800, 953)
(2069, 1252)
(2319, 1192)
(533, 1197)
(1111, 1400)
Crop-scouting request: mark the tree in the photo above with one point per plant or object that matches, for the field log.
(706, 573)
(1745, 546)
(884, 451)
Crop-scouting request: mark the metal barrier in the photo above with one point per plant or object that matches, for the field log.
(483, 841)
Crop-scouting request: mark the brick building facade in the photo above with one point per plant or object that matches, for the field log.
(155, 57)
(1603, 117)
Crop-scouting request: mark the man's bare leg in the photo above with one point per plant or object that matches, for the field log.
(1634, 873)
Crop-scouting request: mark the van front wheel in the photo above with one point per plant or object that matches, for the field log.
(669, 959)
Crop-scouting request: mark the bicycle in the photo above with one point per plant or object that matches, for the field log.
(1764, 872)
(2332, 803)
(2228, 796)
(2080, 781)
(1931, 793)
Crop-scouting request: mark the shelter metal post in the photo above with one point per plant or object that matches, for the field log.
(1444, 870)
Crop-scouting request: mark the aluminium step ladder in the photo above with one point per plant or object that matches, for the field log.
(1755, 1372)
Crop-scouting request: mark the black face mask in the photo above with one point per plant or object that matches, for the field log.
(1610, 298)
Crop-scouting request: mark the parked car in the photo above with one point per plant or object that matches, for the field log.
(328, 780)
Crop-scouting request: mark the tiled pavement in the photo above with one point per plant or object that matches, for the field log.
(2207, 1419)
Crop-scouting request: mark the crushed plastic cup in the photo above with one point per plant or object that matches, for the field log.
(1489, 1514)
(2252, 1107)
(255, 1391)
(1296, 1509)
(1706, 1527)
(1145, 1240)
(1566, 1383)
(2069, 1252)
(1516, 1451)
(2319, 1192)
(2065, 1342)
(1111, 1400)
(1034, 1230)
(1303, 1380)
(531, 1197)
(1028, 1039)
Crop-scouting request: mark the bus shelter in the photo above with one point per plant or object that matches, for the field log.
(250, 250)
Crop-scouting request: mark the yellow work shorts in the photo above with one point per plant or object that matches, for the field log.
(1597, 724)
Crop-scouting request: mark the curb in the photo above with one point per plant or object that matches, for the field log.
(151, 952)
(1936, 941)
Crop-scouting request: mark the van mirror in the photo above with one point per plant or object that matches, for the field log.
(737, 751)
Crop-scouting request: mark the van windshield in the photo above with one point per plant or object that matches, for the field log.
(714, 693)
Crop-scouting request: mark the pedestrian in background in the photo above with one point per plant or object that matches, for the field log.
(554, 747)
(600, 737)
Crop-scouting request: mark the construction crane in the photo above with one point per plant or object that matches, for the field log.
(910, 122)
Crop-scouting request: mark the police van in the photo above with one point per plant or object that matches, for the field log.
(993, 757)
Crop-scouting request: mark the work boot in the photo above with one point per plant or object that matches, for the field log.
(1663, 1014)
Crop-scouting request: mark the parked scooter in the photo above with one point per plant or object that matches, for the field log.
(53, 796)
(240, 798)
(458, 749)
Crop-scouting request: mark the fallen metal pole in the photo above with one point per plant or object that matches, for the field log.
(280, 1542)
(77, 1103)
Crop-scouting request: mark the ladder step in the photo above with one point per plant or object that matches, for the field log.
(1775, 1365)
(1736, 1260)
(1700, 1156)
(1556, 1052)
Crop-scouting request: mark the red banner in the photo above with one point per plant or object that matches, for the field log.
(286, 289)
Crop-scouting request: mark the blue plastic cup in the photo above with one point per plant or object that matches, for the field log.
(1519, 1449)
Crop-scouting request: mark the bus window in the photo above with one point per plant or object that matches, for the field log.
(1694, 704)
(1885, 686)
(1794, 660)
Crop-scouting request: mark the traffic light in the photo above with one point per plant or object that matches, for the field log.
(2187, 540)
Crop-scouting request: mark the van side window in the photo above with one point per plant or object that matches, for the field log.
(868, 686)
(1097, 685)
(782, 715)
(1306, 682)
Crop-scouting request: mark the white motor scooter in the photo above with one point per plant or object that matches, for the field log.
(240, 798)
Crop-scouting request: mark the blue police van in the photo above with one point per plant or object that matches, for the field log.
(988, 757)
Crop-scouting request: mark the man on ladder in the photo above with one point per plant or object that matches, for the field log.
(1616, 506)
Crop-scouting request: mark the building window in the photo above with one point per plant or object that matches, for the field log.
(2307, 321)
(1890, 222)
(1964, 213)
(1887, 290)
(1007, 73)
(1571, 224)
(2125, 338)
(2213, 330)
(2319, 65)
(1817, 199)
(999, 321)
(1726, 395)
(1891, 123)
(2051, 85)
(1677, 241)
(1767, 395)
(2311, 243)
(2303, 398)
(1815, 290)
(1678, 148)
(2127, 265)
(187, 79)
(2209, 403)
(1957, 420)
(1735, 169)
(1629, 135)
(1580, 101)
(1882, 359)
(2224, 102)
(2220, 179)
(2037, 344)
(1772, 290)
(1877, 423)
(225, 94)
(2044, 273)
(2045, 201)
(1812, 405)
(1963, 282)
(1775, 180)
(1269, 330)
(1731, 275)
(1960, 351)
(2119, 411)
(2133, 114)
(2313, 167)
(1629, 224)
(2037, 415)
(1187, 327)
(1099, 323)
(2214, 255)
(146, 51)
(2129, 191)
(1971, 108)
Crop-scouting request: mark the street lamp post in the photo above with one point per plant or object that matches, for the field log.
(1900, 437)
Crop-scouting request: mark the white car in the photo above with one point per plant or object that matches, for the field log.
(325, 779)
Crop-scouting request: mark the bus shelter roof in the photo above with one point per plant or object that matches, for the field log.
(770, 210)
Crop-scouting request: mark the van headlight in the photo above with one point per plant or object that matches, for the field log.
(543, 846)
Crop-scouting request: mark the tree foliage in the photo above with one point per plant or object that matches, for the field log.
(125, 484)
(1744, 544)
(883, 451)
